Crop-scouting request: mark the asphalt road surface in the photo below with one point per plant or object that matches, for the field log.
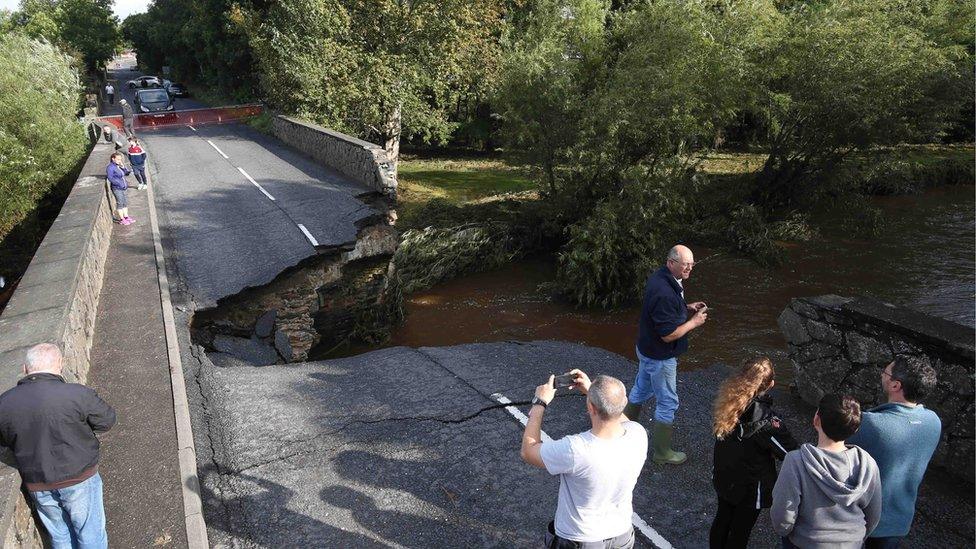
(240, 207)
(396, 448)
(409, 448)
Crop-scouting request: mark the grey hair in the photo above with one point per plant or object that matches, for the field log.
(608, 395)
(673, 254)
(43, 357)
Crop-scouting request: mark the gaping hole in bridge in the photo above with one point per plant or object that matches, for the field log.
(342, 295)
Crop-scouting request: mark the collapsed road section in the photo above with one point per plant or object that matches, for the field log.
(277, 253)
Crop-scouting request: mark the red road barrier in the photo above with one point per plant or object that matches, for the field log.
(191, 117)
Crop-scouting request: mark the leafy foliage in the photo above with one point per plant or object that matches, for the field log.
(613, 107)
(40, 139)
(848, 75)
(84, 28)
(552, 51)
(431, 255)
(382, 70)
(201, 41)
(613, 101)
(894, 172)
(610, 252)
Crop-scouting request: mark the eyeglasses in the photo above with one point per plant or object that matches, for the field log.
(689, 264)
(891, 377)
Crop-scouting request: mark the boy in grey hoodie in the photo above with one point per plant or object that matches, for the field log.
(828, 495)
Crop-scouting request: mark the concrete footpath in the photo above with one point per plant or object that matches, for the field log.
(130, 370)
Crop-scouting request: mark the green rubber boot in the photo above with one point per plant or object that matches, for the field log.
(632, 411)
(662, 446)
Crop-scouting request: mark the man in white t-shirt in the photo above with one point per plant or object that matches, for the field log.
(110, 93)
(597, 468)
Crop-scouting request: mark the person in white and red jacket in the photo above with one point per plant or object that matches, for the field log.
(137, 159)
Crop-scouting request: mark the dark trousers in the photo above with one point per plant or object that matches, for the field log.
(111, 99)
(883, 543)
(787, 544)
(733, 524)
(623, 541)
(140, 173)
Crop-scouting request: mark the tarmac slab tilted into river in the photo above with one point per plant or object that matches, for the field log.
(240, 207)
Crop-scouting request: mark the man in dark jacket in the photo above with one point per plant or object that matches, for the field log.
(127, 118)
(662, 336)
(50, 427)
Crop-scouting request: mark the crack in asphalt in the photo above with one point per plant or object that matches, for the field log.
(304, 442)
(209, 428)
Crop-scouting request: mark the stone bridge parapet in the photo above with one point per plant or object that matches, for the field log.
(840, 344)
(361, 161)
(56, 302)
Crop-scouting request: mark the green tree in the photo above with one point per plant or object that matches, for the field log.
(89, 27)
(610, 251)
(553, 57)
(83, 28)
(676, 74)
(37, 19)
(848, 75)
(40, 139)
(202, 41)
(380, 69)
(135, 31)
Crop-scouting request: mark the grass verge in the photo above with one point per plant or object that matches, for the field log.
(455, 180)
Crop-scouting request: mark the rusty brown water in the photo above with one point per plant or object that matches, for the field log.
(924, 260)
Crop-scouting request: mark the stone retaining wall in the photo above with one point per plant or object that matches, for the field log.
(840, 344)
(56, 302)
(361, 161)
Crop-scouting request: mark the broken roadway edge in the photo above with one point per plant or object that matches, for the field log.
(405, 447)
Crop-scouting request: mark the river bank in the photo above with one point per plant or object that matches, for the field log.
(922, 260)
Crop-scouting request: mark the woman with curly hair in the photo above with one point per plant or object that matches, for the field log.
(749, 437)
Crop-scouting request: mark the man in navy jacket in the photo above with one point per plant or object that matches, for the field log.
(663, 335)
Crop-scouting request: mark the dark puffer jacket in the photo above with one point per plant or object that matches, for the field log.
(50, 426)
(744, 463)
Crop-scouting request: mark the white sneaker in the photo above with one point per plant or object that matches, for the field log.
(142, 187)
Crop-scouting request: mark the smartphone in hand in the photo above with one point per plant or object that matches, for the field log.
(563, 381)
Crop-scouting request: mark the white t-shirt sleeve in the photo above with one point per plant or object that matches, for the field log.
(557, 455)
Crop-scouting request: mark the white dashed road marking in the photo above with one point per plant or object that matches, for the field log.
(194, 129)
(255, 183)
(217, 149)
(641, 524)
(522, 418)
(308, 235)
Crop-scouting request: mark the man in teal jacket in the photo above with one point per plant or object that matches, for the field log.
(901, 436)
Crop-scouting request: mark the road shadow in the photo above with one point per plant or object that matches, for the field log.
(264, 517)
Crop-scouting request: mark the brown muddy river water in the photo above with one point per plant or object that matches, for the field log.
(924, 260)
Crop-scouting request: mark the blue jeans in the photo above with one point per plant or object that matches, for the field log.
(883, 543)
(74, 516)
(657, 378)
